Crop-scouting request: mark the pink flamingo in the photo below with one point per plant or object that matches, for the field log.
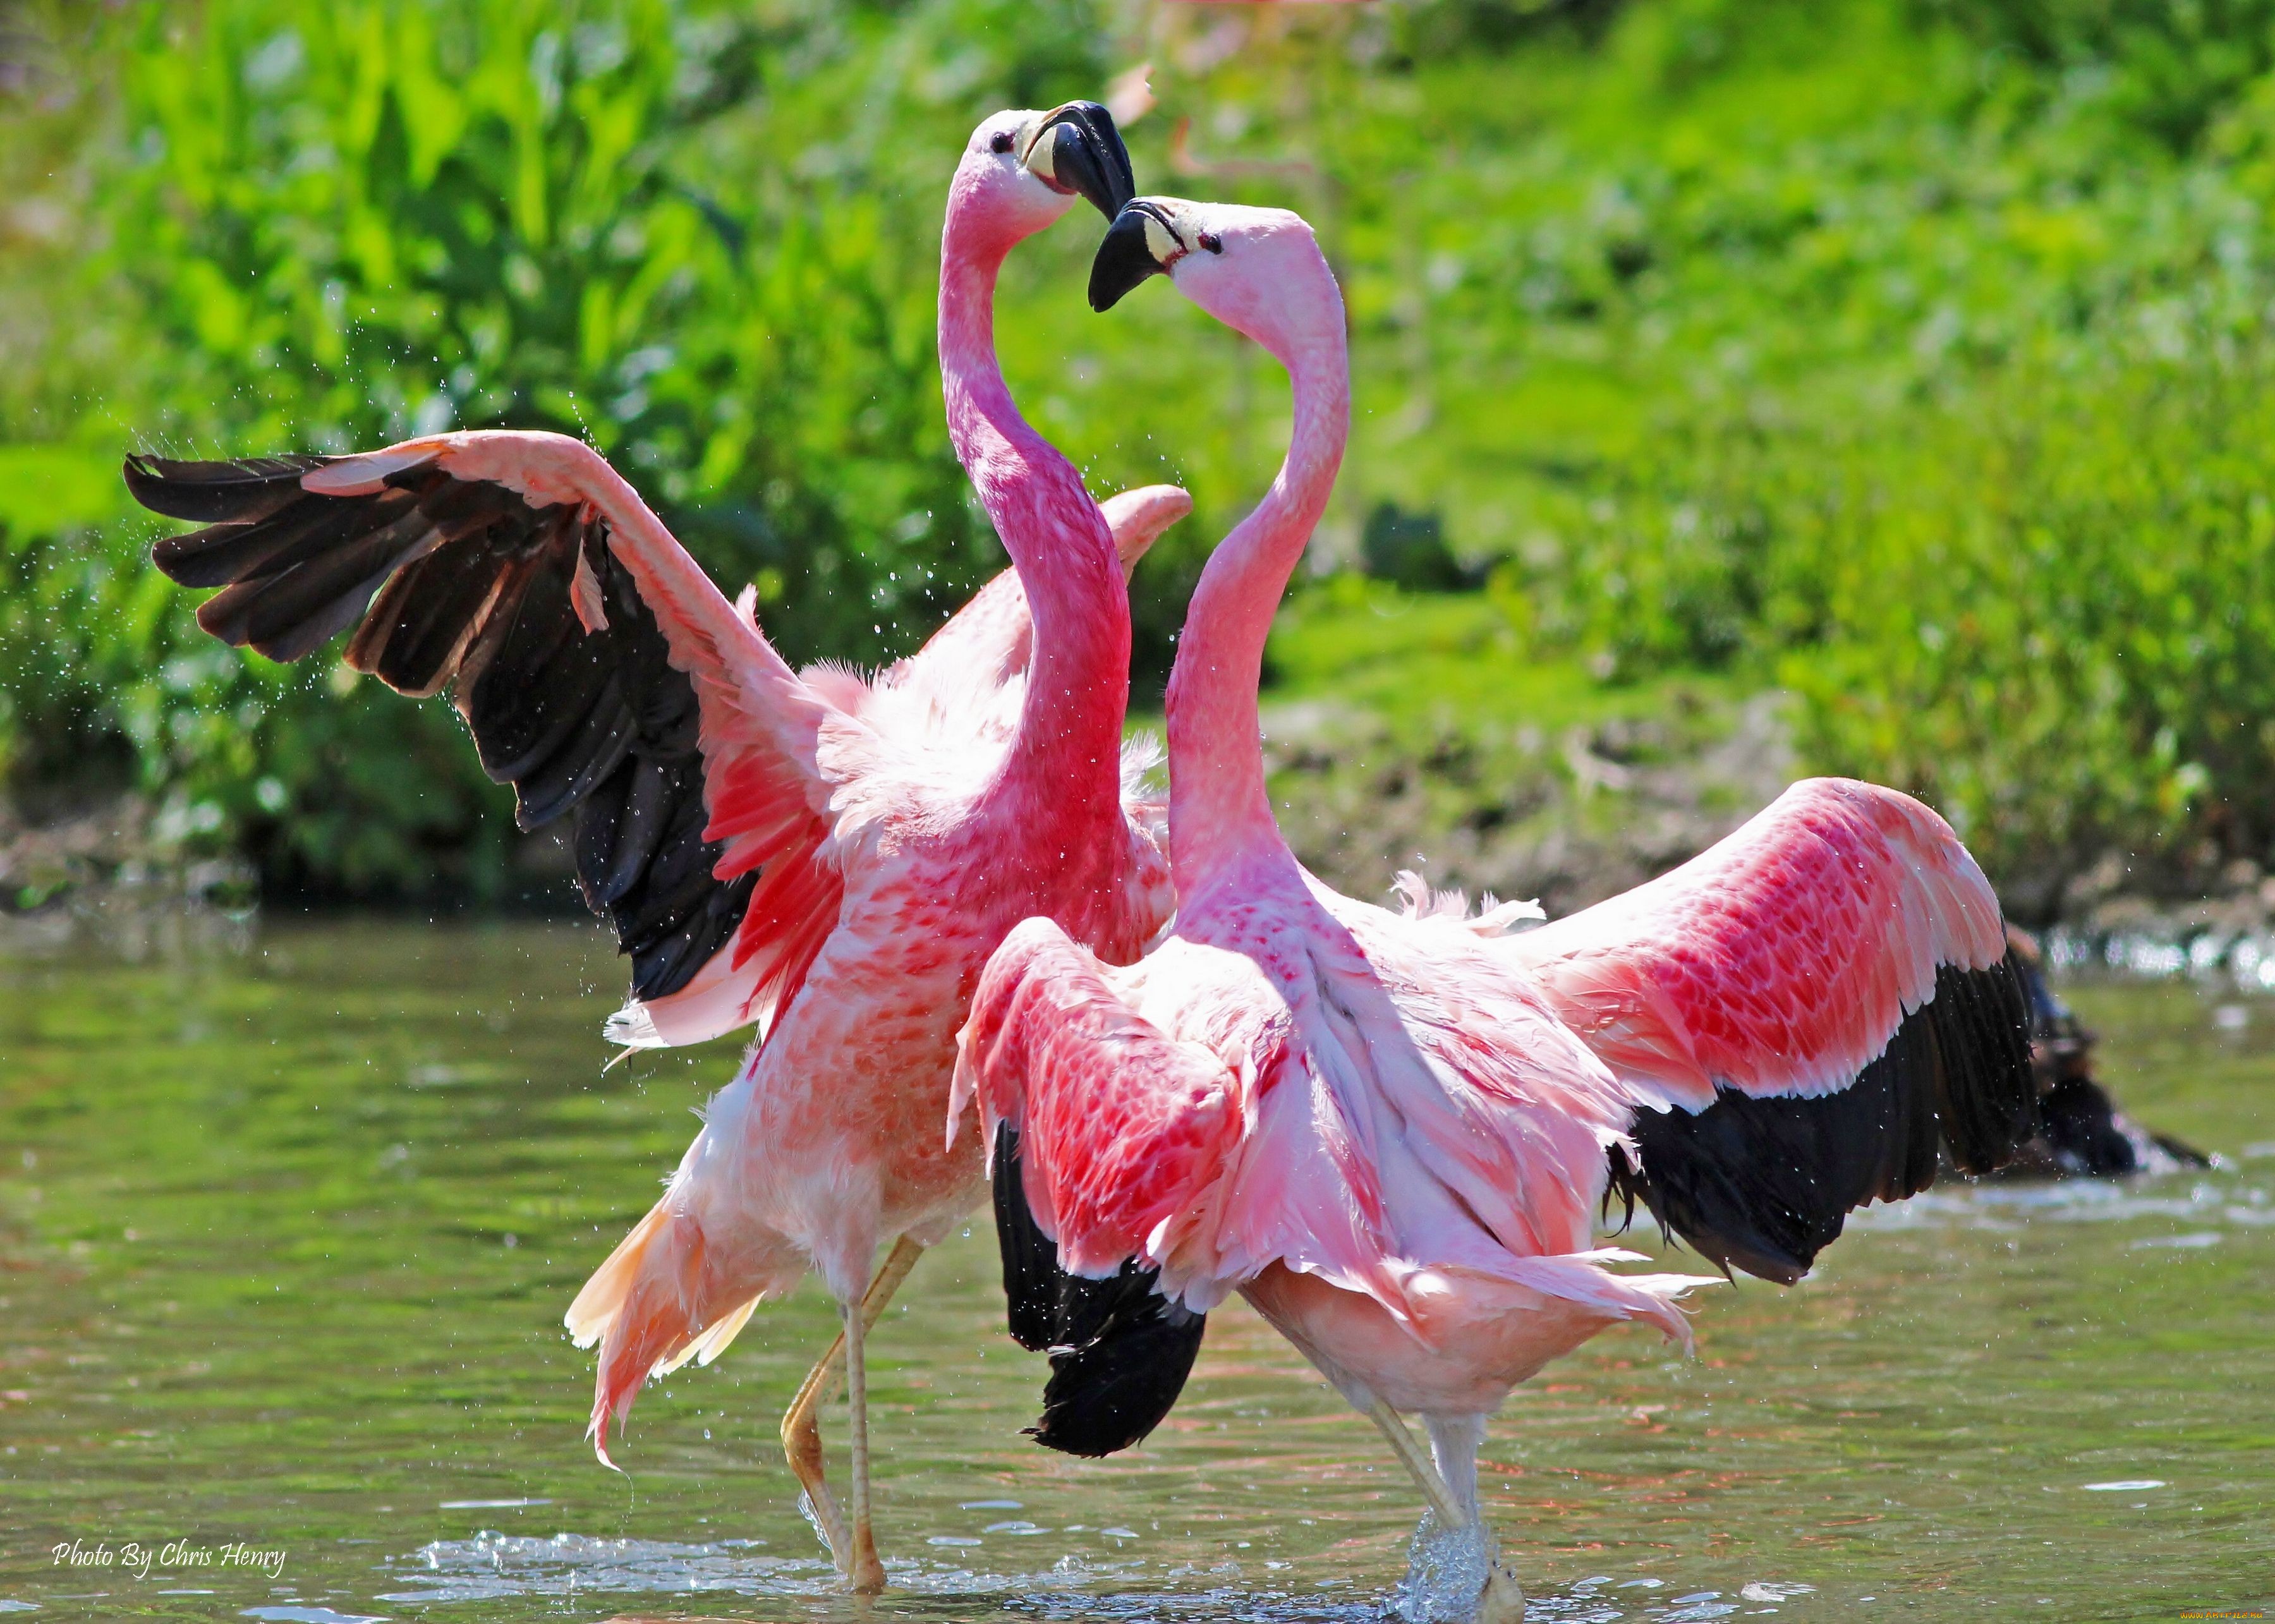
(828, 858)
(1391, 1132)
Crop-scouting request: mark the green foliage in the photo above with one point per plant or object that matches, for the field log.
(2054, 613)
(1928, 385)
(354, 224)
(2168, 66)
(651, 224)
(1902, 351)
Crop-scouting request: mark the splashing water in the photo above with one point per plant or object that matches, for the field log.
(494, 1567)
(2211, 953)
(1446, 1570)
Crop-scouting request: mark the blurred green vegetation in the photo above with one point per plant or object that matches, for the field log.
(1907, 354)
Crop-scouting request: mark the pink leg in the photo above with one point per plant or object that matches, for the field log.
(801, 1425)
(1502, 1599)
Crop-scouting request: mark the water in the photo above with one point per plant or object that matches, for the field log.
(287, 1226)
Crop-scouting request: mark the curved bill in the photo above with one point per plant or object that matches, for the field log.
(1084, 154)
(1126, 256)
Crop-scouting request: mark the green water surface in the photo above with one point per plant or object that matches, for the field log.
(288, 1221)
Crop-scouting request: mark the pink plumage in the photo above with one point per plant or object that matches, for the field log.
(1135, 1123)
(827, 857)
(981, 781)
(1393, 1131)
(1781, 960)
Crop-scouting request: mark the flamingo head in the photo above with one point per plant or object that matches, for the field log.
(1259, 271)
(1023, 171)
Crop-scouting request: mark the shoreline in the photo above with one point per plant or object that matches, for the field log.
(98, 877)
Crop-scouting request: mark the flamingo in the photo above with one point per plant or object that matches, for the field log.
(1390, 1132)
(829, 859)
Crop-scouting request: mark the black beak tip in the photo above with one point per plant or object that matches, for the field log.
(1096, 164)
(1124, 258)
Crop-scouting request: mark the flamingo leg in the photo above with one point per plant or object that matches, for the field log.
(801, 1438)
(868, 1572)
(801, 1425)
(1416, 1461)
(1501, 1600)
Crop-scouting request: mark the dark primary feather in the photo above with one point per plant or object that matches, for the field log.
(207, 493)
(1764, 1184)
(1120, 1351)
(473, 588)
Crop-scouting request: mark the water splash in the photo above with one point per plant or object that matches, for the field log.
(1445, 1571)
(2190, 1204)
(491, 1566)
(2167, 949)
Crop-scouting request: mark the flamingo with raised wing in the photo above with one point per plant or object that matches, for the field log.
(1393, 1132)
(828, 858)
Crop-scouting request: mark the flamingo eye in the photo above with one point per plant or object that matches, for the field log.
(1003, 142)
(1211, 241)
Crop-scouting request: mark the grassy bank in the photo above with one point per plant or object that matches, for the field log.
(1903, 357)
(1411, 731)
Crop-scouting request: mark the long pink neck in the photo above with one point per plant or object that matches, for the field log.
(1219, 815)
(1078, 674)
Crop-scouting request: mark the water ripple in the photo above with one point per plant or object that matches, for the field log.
(2193, 1199)
(491, 1566)
(2202, 950)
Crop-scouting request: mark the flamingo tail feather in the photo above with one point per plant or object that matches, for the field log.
(660, 1301)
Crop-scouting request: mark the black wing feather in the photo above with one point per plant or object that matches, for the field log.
(223, 553)
(589, 754)
(1765, 1184)
(475, 590)
(411, 639)
(305, 604)
(237, 493)
(1120, 1351)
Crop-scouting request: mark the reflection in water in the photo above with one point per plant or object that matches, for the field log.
(286, 1230)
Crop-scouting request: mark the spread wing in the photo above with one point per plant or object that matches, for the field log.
(1804, 1012)
(599, 669)
(1105, 1134)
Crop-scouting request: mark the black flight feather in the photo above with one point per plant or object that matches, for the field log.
(1764, 1184)
(1120, 1351)
(214, 493)
(461, 584)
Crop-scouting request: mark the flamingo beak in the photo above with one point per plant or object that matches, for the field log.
(1077, 149)
(1139, 244)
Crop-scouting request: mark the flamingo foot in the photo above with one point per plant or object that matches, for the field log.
(1502, 1600)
